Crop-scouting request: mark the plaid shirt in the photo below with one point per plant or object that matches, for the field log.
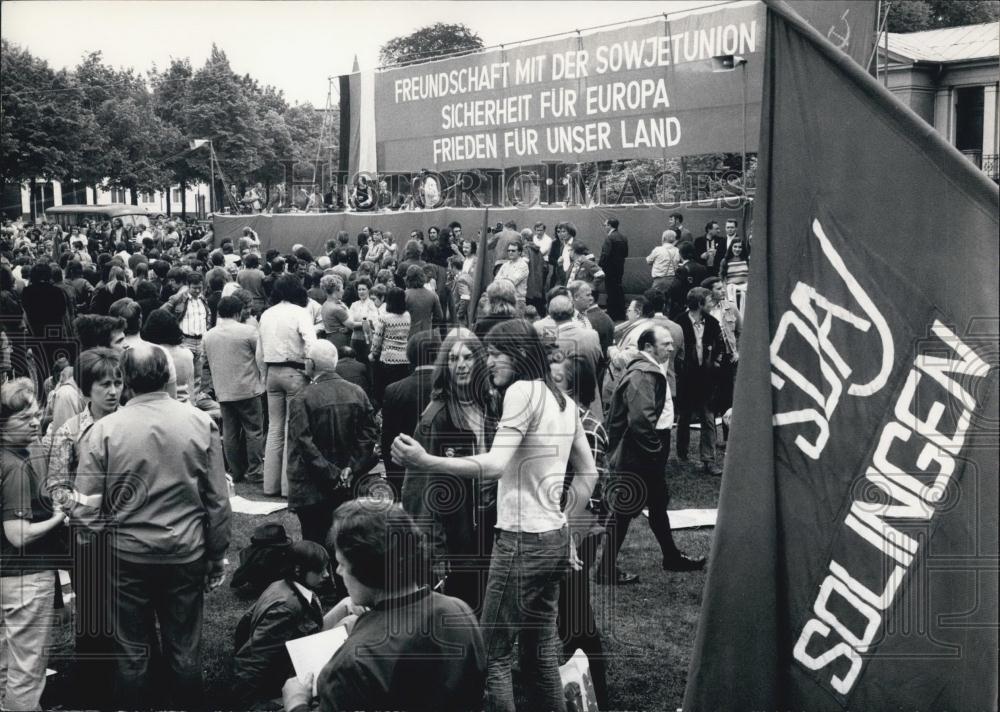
(597, 438)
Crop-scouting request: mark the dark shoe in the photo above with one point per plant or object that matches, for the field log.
(622, 578)
(680, 562)
(712, 469)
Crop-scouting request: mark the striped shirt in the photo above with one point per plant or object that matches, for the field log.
(391, 335)
(195, 320)
(737, 271)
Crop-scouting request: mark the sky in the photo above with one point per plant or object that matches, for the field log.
(294, 46)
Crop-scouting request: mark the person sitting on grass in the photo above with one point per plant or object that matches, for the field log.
(288, 609)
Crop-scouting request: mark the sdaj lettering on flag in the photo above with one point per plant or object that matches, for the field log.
(857, 524)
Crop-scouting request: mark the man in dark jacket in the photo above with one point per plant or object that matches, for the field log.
(405, 400)
(696, 378)
(612, 261)
(331, 438)
(45, 311)
(639, 421)
(352, 370)
(689, 274)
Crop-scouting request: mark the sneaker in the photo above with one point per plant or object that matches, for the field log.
(681, 562)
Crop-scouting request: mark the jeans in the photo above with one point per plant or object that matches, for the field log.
(522, 595)
(173, 596)
(706, 418)
(195, 347)
(283, 382)
(243, 438)
(25, 624)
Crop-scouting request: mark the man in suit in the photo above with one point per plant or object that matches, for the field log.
(697, 375)
(612, 261)
(404, 401)
(675, 222)
(711, 248)
(570, 337)
(689, 274)
(733, 234)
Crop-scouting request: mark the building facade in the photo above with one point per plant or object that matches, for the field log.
(31, 199)
(950, 78)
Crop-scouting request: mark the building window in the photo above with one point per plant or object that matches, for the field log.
(969, 104)
(146, 197)
(175, 195)
(118, 195)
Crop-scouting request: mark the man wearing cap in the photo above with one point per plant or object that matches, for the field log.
(331, 441)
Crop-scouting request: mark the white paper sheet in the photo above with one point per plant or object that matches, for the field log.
(311, 653)
(690, 518)
(242, 505)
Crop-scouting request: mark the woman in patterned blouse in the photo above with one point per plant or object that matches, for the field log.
(388, 354)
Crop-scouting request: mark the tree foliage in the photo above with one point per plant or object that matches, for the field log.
(99, 124)
(45, 128)
(919, 15)
(429, 43)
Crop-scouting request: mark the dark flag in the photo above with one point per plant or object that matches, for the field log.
(848, 24)
(855, 561)
(484, 268)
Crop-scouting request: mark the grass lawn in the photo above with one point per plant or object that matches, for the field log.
(648, 628)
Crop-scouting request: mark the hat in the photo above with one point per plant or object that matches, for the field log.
(264, 560)
(270, 535)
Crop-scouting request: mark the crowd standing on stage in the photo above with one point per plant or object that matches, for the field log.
(146, 369)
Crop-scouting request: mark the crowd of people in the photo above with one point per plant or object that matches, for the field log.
(457, 463)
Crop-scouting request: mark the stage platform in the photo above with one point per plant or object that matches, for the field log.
(642, 224)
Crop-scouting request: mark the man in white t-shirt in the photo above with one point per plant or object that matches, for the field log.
(542, 240)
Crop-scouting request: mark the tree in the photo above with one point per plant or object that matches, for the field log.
(919, 15)
(429, 43)
(219, 108)
(171, 89)
(46, 129)
(135, 139)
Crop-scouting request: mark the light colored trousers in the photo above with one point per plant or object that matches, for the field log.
(283, 382)
(25, 626)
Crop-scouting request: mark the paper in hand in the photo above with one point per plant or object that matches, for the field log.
(311, 653)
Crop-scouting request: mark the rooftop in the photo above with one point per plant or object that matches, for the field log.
(951, 44)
